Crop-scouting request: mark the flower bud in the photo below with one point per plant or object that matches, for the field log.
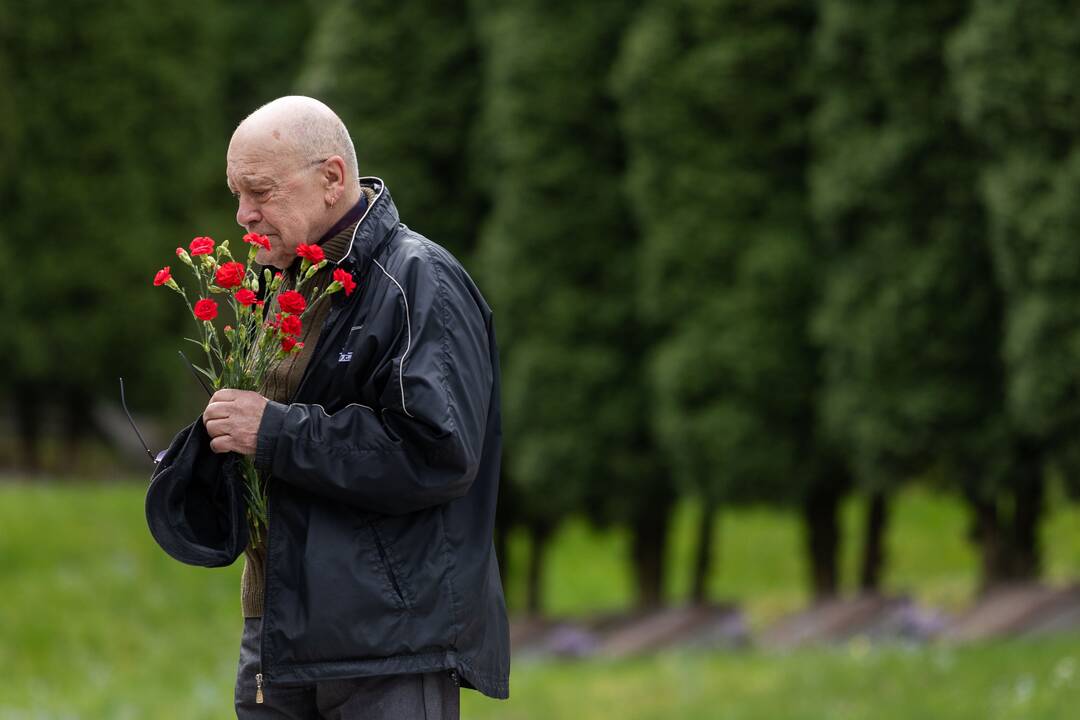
(183, 255)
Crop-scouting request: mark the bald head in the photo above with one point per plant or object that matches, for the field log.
(303, 127)
(292, 168)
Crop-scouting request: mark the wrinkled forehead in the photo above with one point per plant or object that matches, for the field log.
(257, 160)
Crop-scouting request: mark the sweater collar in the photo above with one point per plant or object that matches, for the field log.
(335, 243)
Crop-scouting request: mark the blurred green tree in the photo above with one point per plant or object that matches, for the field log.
(262, 57)
(118, 135)
(910, 316)
(405, 78)
(558, 257)
(1013, 67)
(714, 98)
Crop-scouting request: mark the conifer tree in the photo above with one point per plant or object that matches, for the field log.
(1013, 66)
(910, 320)
(714, 99)
(118, 140)
(558, 256)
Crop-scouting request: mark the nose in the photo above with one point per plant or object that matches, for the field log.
(247, 214)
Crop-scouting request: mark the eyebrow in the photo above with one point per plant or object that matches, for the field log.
(251, 180)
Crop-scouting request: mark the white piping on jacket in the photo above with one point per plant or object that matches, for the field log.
(347, 406)
(408, 329)
(360, 222)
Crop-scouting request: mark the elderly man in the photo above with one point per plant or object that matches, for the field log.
(377, 594)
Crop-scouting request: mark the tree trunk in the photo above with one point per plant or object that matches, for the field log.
(699, 592)
(539, 534)
(28, 421)
(873, 561)
(649, 544)
(822, 538)
(1028, 507)
(77, 425)
(1006, 528)
(987, 536)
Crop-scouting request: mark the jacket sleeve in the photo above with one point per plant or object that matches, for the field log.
(423, 447)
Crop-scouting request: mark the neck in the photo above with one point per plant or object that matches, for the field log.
(340, 209)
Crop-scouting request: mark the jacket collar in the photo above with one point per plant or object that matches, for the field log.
(374, 228)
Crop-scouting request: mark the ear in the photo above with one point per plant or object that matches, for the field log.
(333, 179)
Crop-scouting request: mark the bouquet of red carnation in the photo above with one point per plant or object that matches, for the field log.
(241, 355)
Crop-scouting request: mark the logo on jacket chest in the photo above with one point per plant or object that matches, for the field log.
(344, 355)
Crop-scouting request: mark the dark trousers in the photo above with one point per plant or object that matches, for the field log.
(431, 696)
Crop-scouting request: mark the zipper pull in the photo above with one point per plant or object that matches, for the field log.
(258, 688)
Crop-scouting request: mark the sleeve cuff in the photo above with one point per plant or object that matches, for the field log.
(269, 429)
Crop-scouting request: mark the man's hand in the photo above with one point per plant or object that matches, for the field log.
(232, 420)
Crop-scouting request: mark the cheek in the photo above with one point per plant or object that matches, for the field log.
(286, 217)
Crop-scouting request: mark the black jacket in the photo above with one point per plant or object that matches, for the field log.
(385, 470)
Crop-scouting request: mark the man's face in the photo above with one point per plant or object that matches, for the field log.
(279, 195)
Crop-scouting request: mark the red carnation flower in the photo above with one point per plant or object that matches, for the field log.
(289, 324)
(163, 276)
(346, 280)
(202, 246)
(229, 275)
(206, 309)
(257, 239)
(245, 297)
(292, 302)
(314, 253)
(288, 343)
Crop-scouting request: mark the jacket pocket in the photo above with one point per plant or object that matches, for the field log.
(388, 568)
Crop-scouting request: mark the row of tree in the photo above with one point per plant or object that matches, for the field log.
(773, 252)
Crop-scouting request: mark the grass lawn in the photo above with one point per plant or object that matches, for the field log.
(97, 622)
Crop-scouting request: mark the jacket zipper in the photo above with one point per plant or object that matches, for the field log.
(262, 624)
(386, 564)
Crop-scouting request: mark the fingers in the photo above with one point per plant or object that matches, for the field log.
(223, 403)
(215, 427)
(222, 444)
(217, 410)
(225, 395)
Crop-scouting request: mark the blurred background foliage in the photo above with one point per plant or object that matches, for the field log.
(789, 254)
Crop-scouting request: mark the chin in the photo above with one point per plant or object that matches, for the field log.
(271, 257)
